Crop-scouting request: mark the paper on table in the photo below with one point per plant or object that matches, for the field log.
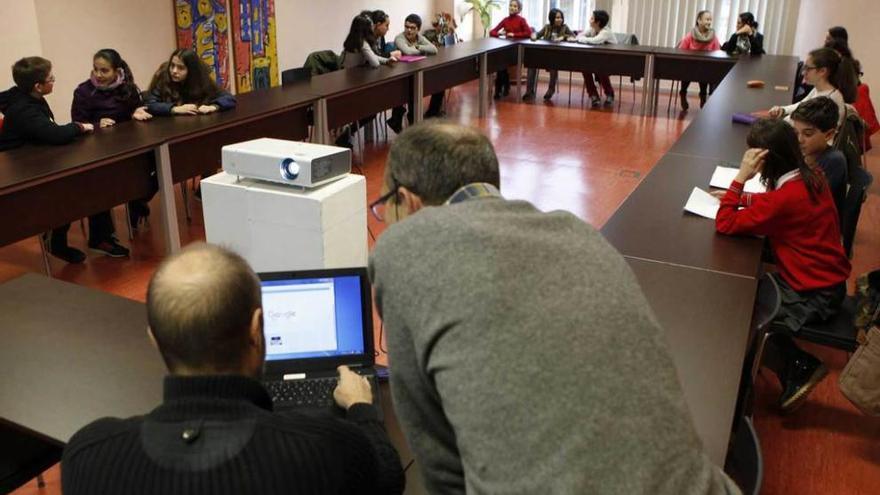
(723, 176)
(411, 58)
(702, 203)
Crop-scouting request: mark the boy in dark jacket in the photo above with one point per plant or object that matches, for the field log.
(27, 118)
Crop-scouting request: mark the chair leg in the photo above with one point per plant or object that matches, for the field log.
(570, 74)
(669, 100)
(128, 222)
(759, 354)
(184, 191)
(45, 252)
(619, 89)
(41, 482)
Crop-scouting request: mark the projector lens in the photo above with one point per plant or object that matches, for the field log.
(289, 169)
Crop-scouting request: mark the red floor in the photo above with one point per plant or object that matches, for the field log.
(587, 162)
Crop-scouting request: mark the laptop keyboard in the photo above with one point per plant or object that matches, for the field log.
(316, 392)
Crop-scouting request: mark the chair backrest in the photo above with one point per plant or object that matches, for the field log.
(849, 139)
(625, 39)
(745, 462)
(859, 183)
(767, 302)
(291, 76)
(322, 62)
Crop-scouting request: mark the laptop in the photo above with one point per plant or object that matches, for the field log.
(314, 321)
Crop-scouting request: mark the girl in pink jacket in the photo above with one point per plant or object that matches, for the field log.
(701, 38)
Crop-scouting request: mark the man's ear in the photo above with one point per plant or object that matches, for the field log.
(256, 328)
(410, 200)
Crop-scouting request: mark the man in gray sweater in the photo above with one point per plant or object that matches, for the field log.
(524, 356)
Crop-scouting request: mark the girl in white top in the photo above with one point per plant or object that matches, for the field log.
(832, 76)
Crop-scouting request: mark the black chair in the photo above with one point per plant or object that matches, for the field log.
(745, 462)
(859, 182)
(291, 76)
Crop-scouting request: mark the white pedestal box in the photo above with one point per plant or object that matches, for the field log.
(281, 228)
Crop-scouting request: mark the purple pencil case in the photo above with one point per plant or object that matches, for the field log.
(744, 118)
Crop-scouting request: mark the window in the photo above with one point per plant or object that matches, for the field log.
(577, 12)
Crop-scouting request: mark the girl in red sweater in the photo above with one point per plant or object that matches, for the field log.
(514, 26)
(701, 38)
(798, 217)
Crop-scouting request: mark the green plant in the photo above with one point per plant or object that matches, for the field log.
(483, 8)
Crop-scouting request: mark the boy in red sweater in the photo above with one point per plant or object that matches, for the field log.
(514, 26)
(798, 217)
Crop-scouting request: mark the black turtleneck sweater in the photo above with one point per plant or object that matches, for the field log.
(218, 435)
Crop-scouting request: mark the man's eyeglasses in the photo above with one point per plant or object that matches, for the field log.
(379, 208)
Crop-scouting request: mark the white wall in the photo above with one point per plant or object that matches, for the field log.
(860, 17)
(305, 26)
(19, 36)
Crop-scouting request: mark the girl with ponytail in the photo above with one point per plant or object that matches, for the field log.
(110, 95)
(830, 75)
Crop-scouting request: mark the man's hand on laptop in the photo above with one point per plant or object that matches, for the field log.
(352, 389)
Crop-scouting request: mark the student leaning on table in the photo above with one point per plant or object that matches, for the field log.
(27, 118)
(555, 30)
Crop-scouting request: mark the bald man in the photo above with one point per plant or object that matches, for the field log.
(215, 431)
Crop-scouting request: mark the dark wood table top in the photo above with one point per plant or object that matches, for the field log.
(718, 55)
(713, 134)
(71, 355)
(705, 317)
(652, 224)
(640, 50)
(33, 163)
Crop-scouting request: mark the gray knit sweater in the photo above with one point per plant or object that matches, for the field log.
(526, 360)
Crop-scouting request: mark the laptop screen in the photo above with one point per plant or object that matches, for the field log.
(313, 317)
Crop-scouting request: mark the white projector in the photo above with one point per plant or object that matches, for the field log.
(287, 162)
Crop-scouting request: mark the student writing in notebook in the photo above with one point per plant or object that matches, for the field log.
(215, 431)
(798, 217)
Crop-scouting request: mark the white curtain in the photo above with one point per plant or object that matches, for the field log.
(665, 22)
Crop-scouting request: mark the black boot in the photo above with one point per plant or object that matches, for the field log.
(684, 101)
(702, 100)
(803, 373)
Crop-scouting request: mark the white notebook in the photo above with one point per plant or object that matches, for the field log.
(702, 203)
(723, 176)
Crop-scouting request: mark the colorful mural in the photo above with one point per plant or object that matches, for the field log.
(254, 44)
(203, 26)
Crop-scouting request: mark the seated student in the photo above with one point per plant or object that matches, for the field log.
(798, 217)
(514, 26)
(381, 25)
(411, 42)
(815, 122)
(183, 86)
(108, 97)
(700, 38)
(746, 39)
(831, 76)
(556, 30)
(599, 34)
(215, 431)
(27, 118)
(593, 406)
(862, 104)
